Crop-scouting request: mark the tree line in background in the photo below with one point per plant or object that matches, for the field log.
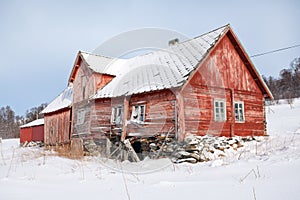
(287, 85)
(10, 122)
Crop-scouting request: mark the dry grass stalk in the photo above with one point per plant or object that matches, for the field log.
(12, 158)
(124, 179)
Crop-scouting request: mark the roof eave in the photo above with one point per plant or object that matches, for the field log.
(56, 111)
(75, 67)
(245, 57)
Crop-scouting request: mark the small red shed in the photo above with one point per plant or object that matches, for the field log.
(33, 131)
(57, 119)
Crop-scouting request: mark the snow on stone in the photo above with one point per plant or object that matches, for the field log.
(63, 100)
(33, 123)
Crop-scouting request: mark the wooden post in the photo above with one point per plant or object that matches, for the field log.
(125, 116)
(131, 151)
(176, 120)
(108, 146)
(232, 121)
(181, 116)
(264, 115)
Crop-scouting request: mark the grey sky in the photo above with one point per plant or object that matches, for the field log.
(39, 40)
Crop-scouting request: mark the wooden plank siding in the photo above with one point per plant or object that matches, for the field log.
(159, 115)
(25, 134)
(86, 82)
(57, 127)
(222, 75)
(33, 133)
(38, 133)
(101, 118)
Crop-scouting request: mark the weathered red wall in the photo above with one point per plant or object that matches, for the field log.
(159, 115)
(57, 127)
(159, 118)
(35, 133)
(101, 80)
(92, 81)
(26, 134)
(38, 133)
(223, 74)
(100, 116)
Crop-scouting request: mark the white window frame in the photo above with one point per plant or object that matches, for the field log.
(239, 111)
(138, 113)
(80, 116)
(117, 115)
(219, 111)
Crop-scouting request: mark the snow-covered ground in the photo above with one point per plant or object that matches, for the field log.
(269, 169)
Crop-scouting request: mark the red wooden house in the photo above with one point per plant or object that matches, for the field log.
(206, 85)
(33, 131)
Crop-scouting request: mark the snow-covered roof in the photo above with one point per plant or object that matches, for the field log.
(163, 69)
(33, 123)
(96, 62)
(63, 100)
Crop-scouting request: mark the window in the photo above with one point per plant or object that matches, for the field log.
(117, 115)
(239, 111)
(220, 110)
(138, 113)
(83, 84)
(80, 116)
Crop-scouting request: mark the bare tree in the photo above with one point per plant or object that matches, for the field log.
(8, 126)
(287, 86)
(10, 123)
(35, 113)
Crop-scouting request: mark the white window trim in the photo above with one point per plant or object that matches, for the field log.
(138, 113)
(113, 115)
(243, 111)
(215, 113)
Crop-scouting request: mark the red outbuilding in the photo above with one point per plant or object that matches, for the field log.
(33, 131)
(57, 119)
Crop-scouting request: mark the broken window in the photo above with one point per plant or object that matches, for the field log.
(80, 116)
(220, 110)
(239, 111)
(138, 113)
(117, 115)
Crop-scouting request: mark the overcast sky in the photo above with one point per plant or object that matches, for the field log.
(39, 40)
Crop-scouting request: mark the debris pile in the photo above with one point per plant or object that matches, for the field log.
(205, 148)
(33, 144)
(193, 149)
(90, 148)
(158, 146)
